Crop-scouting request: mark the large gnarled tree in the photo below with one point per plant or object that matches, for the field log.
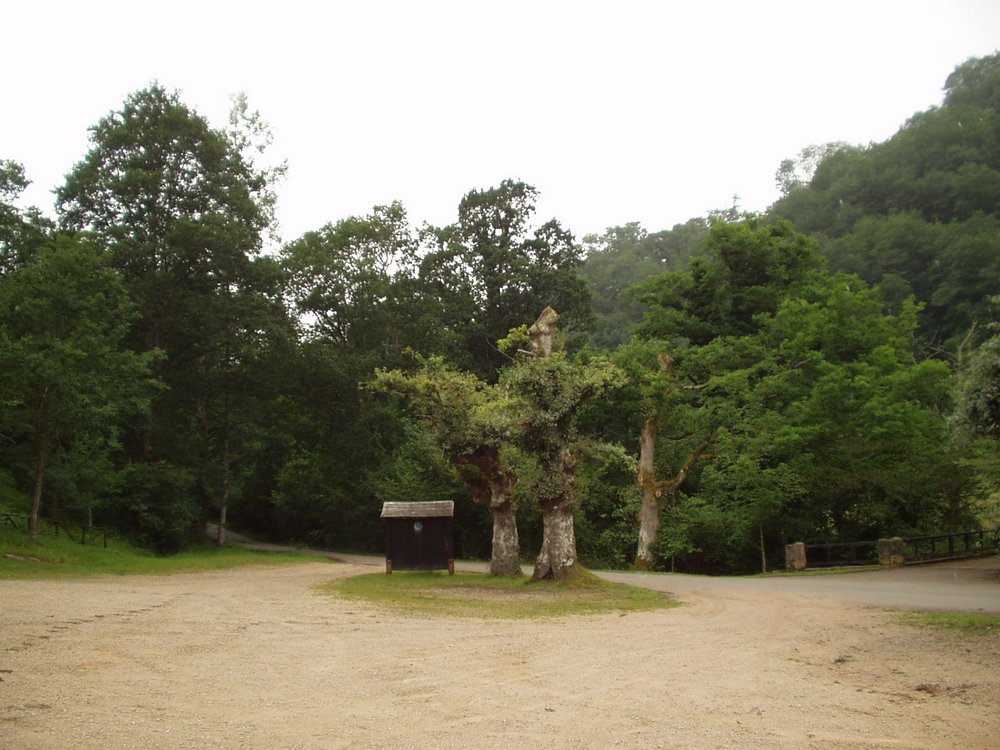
(553, 388)
(470, 420)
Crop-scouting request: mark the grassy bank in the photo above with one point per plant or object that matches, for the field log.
(56, 556)
(494, 597)
(958, 622)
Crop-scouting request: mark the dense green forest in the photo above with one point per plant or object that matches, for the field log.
(826, 370)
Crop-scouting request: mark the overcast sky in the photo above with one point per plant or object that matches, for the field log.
(615, 111)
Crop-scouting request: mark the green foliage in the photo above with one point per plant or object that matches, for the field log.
(416, 470)
(491, 270)
(463, 411)
(748, 270)
(155, 162)
(625, 256)
(517, 339)
(917, 214)
(827, 427)
(470, 423)
(827, 421)
(12, 184)
(701, 535)
(315, 447)
(82, 478)
(65, 381)
(22, 232)
(553, 389)
(181, 207)
(604, 519)
(155, 507)
(832, 418)
(797, 173)
(350, 279)
(976, 422)
(12, 499)
(978, 393)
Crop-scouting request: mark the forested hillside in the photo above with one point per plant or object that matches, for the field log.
(827, 370)
(919, 214)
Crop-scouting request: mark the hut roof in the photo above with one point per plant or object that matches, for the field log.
(431, 509)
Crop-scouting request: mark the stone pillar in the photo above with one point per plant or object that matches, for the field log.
(795, 556)
(890, 551)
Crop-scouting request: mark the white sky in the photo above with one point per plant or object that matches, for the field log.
(616, 111)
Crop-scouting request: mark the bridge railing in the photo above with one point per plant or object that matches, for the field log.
(834, 554)
(950, 546)
(895, 551)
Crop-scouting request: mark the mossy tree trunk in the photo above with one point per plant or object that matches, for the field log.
(557, 557)
(492, 483)
(652, 491)
(649, 511)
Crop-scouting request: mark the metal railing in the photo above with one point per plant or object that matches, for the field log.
(836, 554)
(963, 544)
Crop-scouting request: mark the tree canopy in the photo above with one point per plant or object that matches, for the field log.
(824, 371)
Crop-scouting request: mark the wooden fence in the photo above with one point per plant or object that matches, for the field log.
(75, 531)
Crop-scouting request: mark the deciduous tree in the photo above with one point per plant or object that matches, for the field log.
(470, 420)
(22, 231)
(505, 269)
(181, 208)
(553, 388)
(62, 372)
(347, 280)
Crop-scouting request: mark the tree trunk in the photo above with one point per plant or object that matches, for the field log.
(224, 501)
(492, 484)
(505, 559)
(544, 334)
(224, 509)
(763, 552)
(651, 490)
(557, 557)
(36, 502)
(649, 512)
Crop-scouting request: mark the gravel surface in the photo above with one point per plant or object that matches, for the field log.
(258, 658)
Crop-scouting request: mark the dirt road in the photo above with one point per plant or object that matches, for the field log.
(959, 586)
(257, 658)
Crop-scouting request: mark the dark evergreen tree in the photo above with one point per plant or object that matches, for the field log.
(181, 212)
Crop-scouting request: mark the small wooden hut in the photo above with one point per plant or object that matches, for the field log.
(418, 536)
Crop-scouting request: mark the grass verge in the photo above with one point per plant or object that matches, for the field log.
(831, 571)
(964, 623)
(494, 597)
(54, 556)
